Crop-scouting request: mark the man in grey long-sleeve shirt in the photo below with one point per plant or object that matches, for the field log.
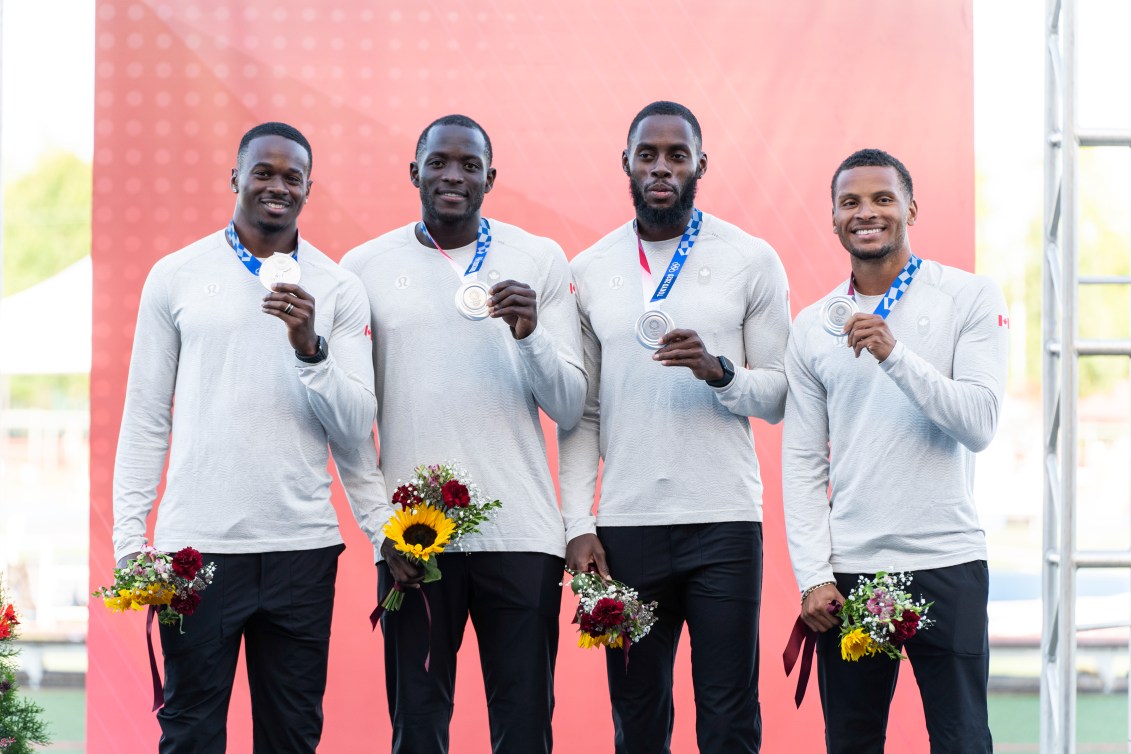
(680, 510)
(460, 384)
(262, 385)
(881, 428)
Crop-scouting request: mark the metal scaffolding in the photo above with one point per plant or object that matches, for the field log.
(1062, 349)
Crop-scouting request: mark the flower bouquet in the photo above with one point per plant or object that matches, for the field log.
(171, 583)
(609, 613)
(439, 506)
(879, 615)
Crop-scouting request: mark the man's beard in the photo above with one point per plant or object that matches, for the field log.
(665, 218)
(474, 203)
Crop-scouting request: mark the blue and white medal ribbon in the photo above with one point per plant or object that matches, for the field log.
(471, 298)
(277, 268)
(654, 323)
(839, 309)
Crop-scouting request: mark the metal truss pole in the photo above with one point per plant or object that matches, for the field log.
(1060, 376)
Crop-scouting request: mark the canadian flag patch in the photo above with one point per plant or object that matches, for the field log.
(368, 332)
(572, 289)
(1003, 321)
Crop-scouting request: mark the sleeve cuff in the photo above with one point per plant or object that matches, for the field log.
(894, 357)
(575, 529)
(535, 341)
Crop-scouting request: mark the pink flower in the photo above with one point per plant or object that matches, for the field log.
(881, 604)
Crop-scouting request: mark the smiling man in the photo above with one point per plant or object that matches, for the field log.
(684, 324)
(475, 330)
(896, 380)
(263, 381)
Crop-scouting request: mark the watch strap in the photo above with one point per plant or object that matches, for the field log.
(320, 353)
(728, 373)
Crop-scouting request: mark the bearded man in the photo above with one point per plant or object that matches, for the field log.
(677, 364)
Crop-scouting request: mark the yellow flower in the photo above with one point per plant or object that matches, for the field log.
(589, 641)
(856, 644)
(420, 532)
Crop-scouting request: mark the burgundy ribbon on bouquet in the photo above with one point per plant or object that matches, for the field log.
(158, 693)
(375, 617)
(803, 642)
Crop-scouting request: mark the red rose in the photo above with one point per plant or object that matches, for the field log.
(590, 625)
(455, 494)
(185, 604)
(186, 563)
(405, 496)
(609, 612)
(906, 627)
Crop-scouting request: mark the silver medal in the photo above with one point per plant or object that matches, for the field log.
(651, 326)
(836, 312)
(471, 300)
(279, 268)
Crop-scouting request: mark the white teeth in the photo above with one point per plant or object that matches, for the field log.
(868, 231)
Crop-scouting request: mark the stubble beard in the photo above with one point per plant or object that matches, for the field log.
(474, 204)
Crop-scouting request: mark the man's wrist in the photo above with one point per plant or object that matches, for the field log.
(727, 373)
(319, 354)
(815, 587)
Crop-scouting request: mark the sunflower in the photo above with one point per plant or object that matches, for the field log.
(586, 640)
(420, 532)
(856, 644)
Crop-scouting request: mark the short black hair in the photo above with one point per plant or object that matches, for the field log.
(664, 107)
(874, 158)
(454, 120)
(274, 128)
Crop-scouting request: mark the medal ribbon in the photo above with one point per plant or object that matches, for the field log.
(675, 266)
(482, 246)
(250, 261)
(899, 286)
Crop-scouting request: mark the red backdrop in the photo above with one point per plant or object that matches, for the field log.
(784, 91)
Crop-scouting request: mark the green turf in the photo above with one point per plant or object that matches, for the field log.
(1101, 721)
(65, 713)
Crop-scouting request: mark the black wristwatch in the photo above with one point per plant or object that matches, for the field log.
(319, 355)
(728, 373)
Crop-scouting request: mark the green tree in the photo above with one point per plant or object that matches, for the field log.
(46, 220)
(21, 720)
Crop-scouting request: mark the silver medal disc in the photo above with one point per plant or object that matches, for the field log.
(836, 312)
(471, 300)
(279, 268)
(653, 325)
